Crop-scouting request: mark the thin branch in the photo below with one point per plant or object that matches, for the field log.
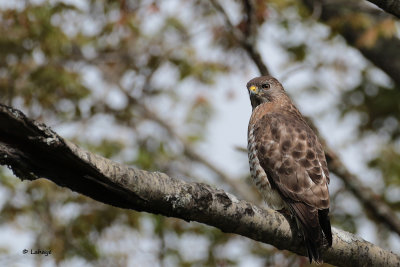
(244, 42)
(32, 150)
(373, 203)
(249, 19)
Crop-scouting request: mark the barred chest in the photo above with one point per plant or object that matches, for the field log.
(259, 177)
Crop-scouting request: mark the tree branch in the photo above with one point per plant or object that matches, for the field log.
(384, 53)
(373, 203)
(32, 150)
(241, 38)
(390, 6)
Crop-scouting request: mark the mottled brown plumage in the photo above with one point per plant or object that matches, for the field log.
(287, 162)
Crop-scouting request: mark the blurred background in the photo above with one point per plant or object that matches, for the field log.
(160, 85)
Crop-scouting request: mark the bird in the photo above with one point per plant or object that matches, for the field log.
(288, 164)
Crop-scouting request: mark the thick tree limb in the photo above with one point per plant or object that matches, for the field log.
(32, 150)
(390, 6)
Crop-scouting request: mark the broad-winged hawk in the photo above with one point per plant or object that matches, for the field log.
(287, 163)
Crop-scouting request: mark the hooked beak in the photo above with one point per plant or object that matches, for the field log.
(253, 89)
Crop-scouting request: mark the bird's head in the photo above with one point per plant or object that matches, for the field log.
(264, 89)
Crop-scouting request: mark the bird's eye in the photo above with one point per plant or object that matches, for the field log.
(265, 85)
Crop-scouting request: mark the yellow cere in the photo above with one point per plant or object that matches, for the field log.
(253, 88)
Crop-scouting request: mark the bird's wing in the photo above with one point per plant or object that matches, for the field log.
(293, 159)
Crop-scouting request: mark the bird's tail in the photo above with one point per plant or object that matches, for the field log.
(316, 229)
(325, 223)
(313, 248)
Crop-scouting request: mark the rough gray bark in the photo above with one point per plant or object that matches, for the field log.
(32, 150)
(390, 6)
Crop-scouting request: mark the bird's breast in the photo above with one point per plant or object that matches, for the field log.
(259, 177)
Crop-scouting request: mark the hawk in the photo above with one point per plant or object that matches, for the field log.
(287, 163)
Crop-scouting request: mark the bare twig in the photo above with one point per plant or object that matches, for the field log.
(32, 150)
